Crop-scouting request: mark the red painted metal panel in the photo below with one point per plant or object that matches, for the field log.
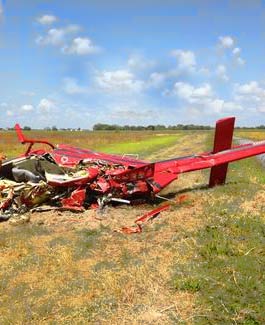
(169, 171)
(223, 140)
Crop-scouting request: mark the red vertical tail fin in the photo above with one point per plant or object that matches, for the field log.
(222, 141)
(20, 135)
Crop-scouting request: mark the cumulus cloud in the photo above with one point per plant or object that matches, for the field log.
(54, 36)
(236, 54)
(63, 37)
(71, 86)
(27, 108)
(251, 92)
(250, 88)
(220, 106)
(156, 79)
(46, 105)
(192, 94)
(221, 72)
(236, 51)
(226, 42)
(81, 46)
(57, 36)
(203, 100)
(185, 59)
(47, 19)
(251, 95)
(118, 81)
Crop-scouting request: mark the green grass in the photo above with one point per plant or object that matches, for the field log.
(227, 267)
(143, 147)
(227, 271)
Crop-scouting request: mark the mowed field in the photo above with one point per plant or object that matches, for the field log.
(201, 262)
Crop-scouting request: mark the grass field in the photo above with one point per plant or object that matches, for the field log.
(252, 134)
(200, 263)
(113, 142)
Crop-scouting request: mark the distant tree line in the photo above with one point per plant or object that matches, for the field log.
(115, 127)
(157, 127)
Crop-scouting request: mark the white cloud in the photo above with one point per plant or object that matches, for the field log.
(46, 105)
(251, 88)
(119, 81)
(63, 38)
(54, 37)
(192, 94)
(236, 51)
(250, 95)
(203, 100)
(226, 42)
(216, 107)
(71, 87)
(156, 79)
(47, 19)
(81, 46)
(27, 108)
(185, 59)
(221, 72)
(57, 36)
(220, 106)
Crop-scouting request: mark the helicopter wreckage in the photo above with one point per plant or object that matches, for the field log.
(69, 178)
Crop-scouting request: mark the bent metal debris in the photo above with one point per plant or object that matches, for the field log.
(70, 178)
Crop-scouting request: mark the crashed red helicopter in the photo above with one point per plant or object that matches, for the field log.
(75, 179)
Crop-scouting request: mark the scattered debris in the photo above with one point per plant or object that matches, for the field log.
(139, 222)
(69, 178)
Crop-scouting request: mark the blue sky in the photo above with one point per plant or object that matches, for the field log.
(77, 63)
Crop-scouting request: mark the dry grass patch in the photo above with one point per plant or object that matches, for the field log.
(73, 268)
